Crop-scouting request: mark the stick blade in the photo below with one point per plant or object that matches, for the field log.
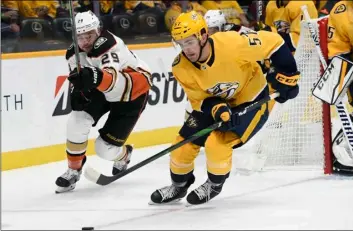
(91, 174)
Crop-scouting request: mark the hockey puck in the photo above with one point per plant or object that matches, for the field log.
(87, 228)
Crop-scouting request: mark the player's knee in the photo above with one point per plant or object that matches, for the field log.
(214, 143)
(218, 154)
(182, 159)
(108, 151)
(78, 126)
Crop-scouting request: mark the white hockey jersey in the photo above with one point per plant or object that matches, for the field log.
(131, 75)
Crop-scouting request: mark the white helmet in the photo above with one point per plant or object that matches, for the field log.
(215, 18)
(86, 21)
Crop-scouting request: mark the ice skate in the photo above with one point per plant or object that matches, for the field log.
(171, 194)
(67, 181)
(204, 193)
(121, 165)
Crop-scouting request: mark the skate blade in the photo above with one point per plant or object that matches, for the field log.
(65, 189)
(175, 202)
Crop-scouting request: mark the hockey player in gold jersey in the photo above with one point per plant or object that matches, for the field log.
(285, 16)
(340, 43)
(220, 73)
(340, 30)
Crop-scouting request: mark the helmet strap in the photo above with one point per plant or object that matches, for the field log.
(201, 48)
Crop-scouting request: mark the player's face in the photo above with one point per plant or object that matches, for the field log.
(212, 30)
(190, 47)
(86, 40)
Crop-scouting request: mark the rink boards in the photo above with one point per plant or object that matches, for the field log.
(35, 105)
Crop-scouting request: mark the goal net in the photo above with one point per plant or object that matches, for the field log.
(297, 133)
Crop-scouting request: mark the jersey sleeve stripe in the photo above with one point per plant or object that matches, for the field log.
(107, 81)
(140, 84)
(128, 88)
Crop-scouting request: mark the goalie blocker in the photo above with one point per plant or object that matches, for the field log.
(333, 84)
(331, 88)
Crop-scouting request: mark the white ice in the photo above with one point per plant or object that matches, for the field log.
(269, 200)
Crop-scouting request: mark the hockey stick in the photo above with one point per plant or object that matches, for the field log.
(259, 10)
(98, 178)
(75, 44)
(74, 36)
(341, 108)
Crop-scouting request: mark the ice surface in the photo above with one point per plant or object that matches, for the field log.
(268, 200)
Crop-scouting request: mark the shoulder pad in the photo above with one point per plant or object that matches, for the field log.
(340, 9)
(70, 51)
(176, 60)
(102, 44)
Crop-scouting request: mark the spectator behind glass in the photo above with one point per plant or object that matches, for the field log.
(9, 27)
(176, 8)
(195, 6)
(231, 9)
(172, 13)
(133, 6)
(36, 9)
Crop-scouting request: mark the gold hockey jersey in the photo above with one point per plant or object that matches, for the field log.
(231, 71)
(287, 19)
(340, 29)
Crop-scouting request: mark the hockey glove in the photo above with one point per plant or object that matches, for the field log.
(220, 111)
(79, 100)
(285, 84)
(88, 78)
(262, 26)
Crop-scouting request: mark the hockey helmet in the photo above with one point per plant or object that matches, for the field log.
(188, 24)
(86, 21)
(215, 18)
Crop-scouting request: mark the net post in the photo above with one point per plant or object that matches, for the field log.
(326, 112)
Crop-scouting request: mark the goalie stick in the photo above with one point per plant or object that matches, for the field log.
(340, 107)
(98, 178)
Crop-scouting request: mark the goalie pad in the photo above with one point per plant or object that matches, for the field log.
(333, 84)
(341, 150)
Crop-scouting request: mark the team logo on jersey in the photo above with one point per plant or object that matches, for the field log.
(191, 122)
(340, 9)
(62, 96)
(99, 42)
(224, 90)
(282, 26)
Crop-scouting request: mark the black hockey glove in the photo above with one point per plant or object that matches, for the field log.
(285, 84)
(79, 100)
(88, 78)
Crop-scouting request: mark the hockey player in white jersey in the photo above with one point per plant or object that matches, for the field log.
(111, 80)
(216, 22)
